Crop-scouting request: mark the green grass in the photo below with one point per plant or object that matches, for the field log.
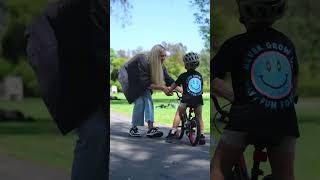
(307, 161)
(163, 116)
(38, 141)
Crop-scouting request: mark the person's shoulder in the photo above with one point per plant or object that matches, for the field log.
(283, 36)
(137, 59)
(142, 58)
(197, 72)
(183, 74)
(234, 41)
(236, 38)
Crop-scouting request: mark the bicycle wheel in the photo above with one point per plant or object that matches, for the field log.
(181, 128)
(194, 131)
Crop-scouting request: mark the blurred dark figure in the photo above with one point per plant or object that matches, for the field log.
(67, 47)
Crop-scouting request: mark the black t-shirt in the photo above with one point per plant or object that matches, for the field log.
(263, 67)
(192, 85)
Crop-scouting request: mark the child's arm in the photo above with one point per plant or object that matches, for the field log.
(179, 89)
(172, 87)
(219, 87)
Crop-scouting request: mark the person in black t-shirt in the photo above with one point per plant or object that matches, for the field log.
(264, 69)
(192, 84)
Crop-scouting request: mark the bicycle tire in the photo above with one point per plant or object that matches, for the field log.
(194, 124)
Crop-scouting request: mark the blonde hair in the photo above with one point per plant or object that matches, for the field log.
(155, 64)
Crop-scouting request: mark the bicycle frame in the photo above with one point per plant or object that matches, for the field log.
(186, 120)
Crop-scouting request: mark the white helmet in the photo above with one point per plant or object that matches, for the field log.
(191, 60)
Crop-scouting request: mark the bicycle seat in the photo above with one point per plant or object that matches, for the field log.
(191, 107)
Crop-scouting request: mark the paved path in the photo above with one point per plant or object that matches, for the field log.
(139, 158)
(15, 169)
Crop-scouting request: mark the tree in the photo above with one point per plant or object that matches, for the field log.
(174, 63)
(121, 9)
(122, 53)
(13, 42)
(202, 17)
(137, 51)
(116, 65)
(18, 16)
(112, 57)
(204, 68)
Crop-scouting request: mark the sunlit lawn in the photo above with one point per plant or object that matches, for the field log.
(163, 116)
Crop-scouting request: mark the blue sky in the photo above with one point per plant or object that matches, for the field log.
(154, 21)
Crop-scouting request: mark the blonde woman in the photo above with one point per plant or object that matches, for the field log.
(139, 77)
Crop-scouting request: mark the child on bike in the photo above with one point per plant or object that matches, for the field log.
(191, 82)
(264, 69)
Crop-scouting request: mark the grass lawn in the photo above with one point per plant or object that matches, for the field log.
(38, 141)
(307, 162)
(163, 116)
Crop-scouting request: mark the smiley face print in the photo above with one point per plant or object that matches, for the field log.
(271, 75)
(194, 85)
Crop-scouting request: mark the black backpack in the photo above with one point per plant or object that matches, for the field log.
(42, 54)
(67, 47)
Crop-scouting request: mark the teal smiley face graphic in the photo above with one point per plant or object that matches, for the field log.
(271, 75)
(194, 85)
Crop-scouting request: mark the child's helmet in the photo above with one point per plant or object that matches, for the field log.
(261, 11)
(191, 60)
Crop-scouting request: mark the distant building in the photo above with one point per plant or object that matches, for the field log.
(11, 89)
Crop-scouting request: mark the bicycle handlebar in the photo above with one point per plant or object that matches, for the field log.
(178, 95)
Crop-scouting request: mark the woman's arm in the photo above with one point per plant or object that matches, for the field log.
(172, 87)
(157, 87)
(163, 88)
(219, 87)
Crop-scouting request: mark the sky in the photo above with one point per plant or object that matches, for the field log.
(155, 21)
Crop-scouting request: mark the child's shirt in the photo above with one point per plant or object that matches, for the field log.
(263, 66)
(192, 84)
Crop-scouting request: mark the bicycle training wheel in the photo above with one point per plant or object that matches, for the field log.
(194, 131)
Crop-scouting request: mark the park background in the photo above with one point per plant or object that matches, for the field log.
(180, 26)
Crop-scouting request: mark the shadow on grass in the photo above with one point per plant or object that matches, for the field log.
(37, 127)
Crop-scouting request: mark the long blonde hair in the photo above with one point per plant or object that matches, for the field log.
(156, 65)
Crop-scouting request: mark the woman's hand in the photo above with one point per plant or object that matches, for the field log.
(166, 90)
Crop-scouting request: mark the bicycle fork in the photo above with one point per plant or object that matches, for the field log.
(258, 156)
